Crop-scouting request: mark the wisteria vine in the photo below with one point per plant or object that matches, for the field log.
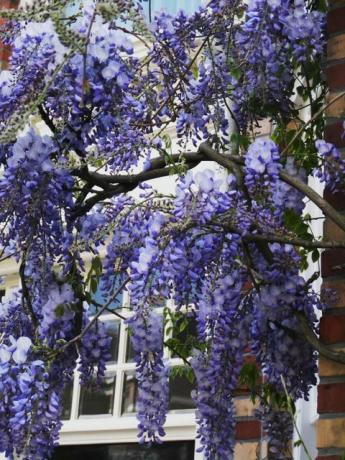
(86, 121)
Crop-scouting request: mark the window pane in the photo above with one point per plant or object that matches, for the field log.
(189, 331)
(169, 6)
(180, 450)
(180, 390)
(129, 350)
(180, 394)
(67, 401)
(113, 327)
(96, 400)
(72, 7)
(129, 393)
(102, 297)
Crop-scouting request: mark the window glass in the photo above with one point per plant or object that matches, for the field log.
(72, 7)
(130, 354)
(102, 298)
(67, 401)
(113, 328)
(98, 400)
(129, 393)
(151, 7)
(180, 393)
(186, 334)
(180, 450)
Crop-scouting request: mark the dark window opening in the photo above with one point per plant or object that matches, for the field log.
(182, 450)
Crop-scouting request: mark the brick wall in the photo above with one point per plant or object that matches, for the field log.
(331, 391)
(5, 50)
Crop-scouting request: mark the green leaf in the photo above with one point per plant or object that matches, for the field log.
(190, 374)
(249, 375)
(183, 324)
(97, 265)
(88, 297)
(295, 223)
(93, 285)
(59, 310)
(183, 371)
(315, 255)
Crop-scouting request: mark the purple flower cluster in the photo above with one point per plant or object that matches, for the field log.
(286, 197)
(30, 404)
(305, 31)
(37, 193)
(271, 33)
(262, 165)
(332, 167)
(278, 427)
(217, 369)
(152, 374)
(66, 195)
(94, 352)
(56, 311)
(276, 335)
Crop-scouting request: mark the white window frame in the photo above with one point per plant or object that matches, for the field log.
(122, 428)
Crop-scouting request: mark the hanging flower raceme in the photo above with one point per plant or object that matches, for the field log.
(30, 403)
(332, 168)
(35, 194)
(152, 374)
(94, 352)
(278, 430)
(217, 369)
(262, 166)
(277, 338)
(271, 32)
(286, 197)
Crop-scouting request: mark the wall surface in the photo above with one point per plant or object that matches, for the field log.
(331, 391)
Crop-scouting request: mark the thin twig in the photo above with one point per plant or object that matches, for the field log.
(313, 118)
(26, 292)
(95, 318)
(288, 397)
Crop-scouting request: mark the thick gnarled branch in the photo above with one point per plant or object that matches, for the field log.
(311, 337)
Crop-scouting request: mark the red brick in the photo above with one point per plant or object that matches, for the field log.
(5, 51)
(329, 457)
(331, 398)
(7, 4)
(336, 20)
(248, 429)
(337, 200)
(333, 262)
(334, 133)
(332, 328)
(337, 287)
(335, 75)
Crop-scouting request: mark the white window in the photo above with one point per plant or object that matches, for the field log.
(105, 415)
(151, 7)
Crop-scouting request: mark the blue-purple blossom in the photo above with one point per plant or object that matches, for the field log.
(332, 168)
(152, 374)
(262, 164)
(67, 195)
